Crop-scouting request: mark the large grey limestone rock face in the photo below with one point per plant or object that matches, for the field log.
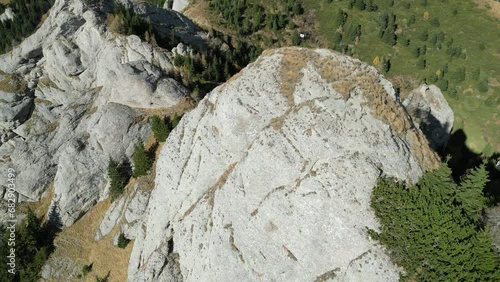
(82, 166)
(269, 178)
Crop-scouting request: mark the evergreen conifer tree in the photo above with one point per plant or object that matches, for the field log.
(142, 161)
(160, 128)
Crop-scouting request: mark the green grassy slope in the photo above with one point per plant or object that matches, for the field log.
(471, 29)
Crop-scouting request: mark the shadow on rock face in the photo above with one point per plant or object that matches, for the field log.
(436, 133)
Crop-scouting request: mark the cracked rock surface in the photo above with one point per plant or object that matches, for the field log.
(269, 178)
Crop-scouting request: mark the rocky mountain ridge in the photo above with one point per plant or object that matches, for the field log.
(268, 178)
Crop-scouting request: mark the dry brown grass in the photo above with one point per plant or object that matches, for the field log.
(209, 194)
(344, 76)
(352, 76)
(406, 84)
(5, 2)
(45, 81)
(77, 243)
(13, 83)
(185, 105)
(294, 60)
(41, 207)
(344, 88)
(422, 152)
(327, 276)
(492, 7)
(197, 11)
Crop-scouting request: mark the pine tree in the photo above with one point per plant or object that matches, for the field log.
(175, 120)
(386, 65)
(360, 4)
(142, 161)
(339, 18)
(470, 192)
(160, 128)
(122, 241)
(486, 263)
(119, 176)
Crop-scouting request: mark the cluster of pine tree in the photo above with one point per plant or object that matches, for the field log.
(246, 17)
(127, 22)
(362, 5)
(33, 245)
(346, 34)
(202, 70)
(434, 229)
(28, 16)
(387, 31)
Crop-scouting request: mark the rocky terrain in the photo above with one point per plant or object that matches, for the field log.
(70, 98)
(267, 179)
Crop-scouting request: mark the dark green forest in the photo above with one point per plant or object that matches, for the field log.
(435, 229)
(29, 13)
(263, 24)
(246, 17)
(33, 245)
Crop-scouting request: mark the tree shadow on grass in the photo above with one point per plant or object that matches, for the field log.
(463, 158)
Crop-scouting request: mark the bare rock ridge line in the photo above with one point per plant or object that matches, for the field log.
(269, 178)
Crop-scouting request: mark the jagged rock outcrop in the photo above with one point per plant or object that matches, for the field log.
(431, 113)
(74, 93)
(8, 14)
(180, 5)
(176, 5)
(127, 212)
(269, 178)
(493, 219)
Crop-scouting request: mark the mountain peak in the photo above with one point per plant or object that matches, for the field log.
(270, 176)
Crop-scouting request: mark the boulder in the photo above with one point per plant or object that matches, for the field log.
(431, 113)
(180, 5)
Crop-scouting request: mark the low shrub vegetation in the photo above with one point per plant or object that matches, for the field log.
(122, 241)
